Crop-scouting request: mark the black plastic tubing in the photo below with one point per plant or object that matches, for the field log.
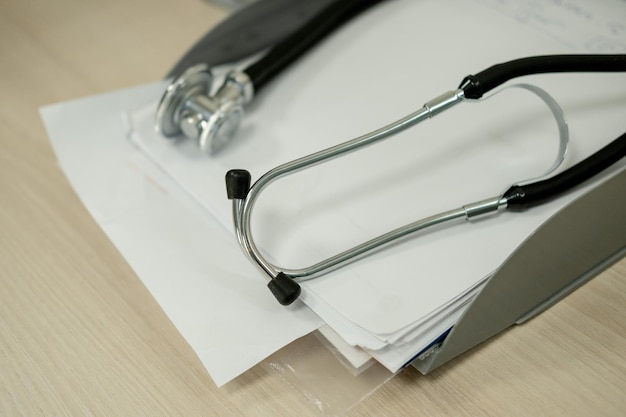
(521, 197)
(529, 195)
(307, 36)
(474, 86)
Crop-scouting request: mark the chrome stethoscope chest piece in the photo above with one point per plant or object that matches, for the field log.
(188, 107)
(196, 80)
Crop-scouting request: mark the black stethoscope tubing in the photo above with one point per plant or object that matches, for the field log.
(281, 55)
(475, 86)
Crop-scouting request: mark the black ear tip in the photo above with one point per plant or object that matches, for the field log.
(285, 289)
(237, 183)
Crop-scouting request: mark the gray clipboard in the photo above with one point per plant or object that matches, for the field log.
(570, 248)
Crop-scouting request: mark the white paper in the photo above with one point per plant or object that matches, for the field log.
(186, 259)
(358, 359)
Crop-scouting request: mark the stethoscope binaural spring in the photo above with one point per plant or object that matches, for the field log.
(282, 281)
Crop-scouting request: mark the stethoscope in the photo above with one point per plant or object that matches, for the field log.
(192, 106)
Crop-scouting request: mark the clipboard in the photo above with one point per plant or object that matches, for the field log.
(570, 248)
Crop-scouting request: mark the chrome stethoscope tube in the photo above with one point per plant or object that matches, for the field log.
(242, 209)
(282, 283)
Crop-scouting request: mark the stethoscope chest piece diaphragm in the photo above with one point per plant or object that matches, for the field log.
(197, 80)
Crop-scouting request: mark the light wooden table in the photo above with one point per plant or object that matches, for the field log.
(79, 333)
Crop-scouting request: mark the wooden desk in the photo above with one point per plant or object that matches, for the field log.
(80, 335)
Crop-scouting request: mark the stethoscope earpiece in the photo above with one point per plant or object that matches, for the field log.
(284, 288)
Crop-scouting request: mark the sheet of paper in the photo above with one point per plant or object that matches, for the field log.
(594, 27)
(378, 69)
(186, 259)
